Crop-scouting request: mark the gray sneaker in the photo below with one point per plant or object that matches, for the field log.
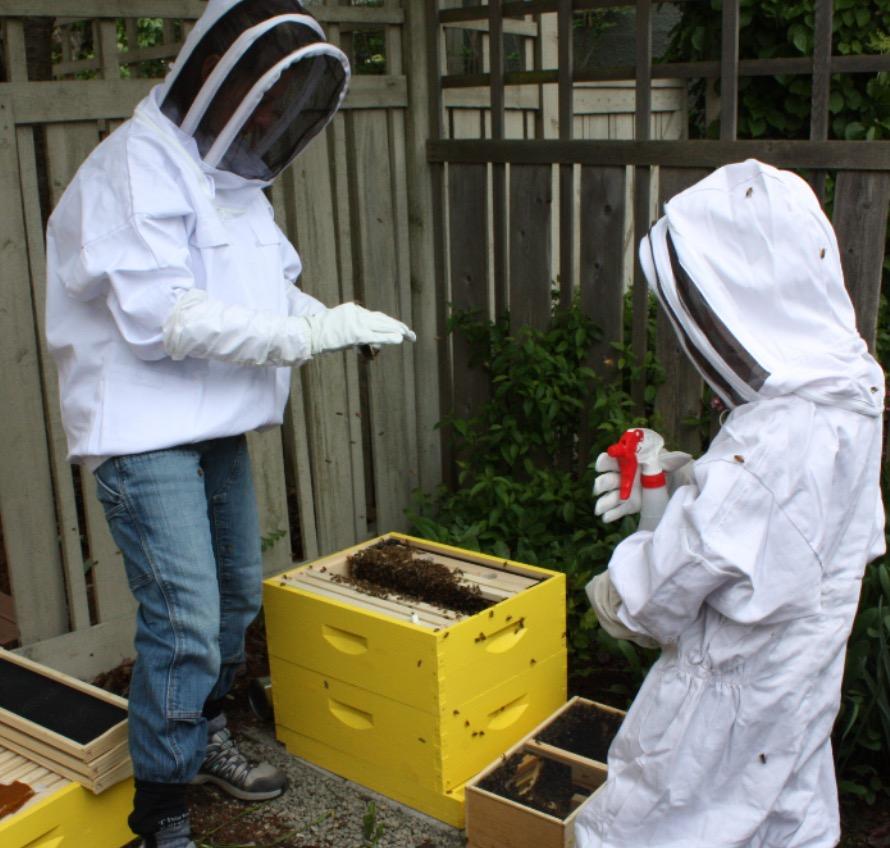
(226, 767)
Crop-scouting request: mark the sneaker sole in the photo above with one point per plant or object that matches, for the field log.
(234, 791)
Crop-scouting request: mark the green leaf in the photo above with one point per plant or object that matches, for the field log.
(835, 102)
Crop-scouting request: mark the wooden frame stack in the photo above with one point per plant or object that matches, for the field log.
(70, 727)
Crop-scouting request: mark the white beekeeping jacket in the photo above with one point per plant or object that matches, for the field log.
(750, 581)
(169, 210)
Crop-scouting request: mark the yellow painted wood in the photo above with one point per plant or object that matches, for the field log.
(502, 642)
(360, 724)
(430, 670)
(477, 732)
(384, 778)
(72, 817)
(409, 710)
(356, 645)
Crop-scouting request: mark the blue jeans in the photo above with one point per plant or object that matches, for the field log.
(185, 520)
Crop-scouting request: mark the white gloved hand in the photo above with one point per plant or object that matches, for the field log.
(651, 459)
(350, 325)
(605, 600)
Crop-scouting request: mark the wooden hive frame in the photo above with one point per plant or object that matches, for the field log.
(96, 763)
(494, 821)
(495, 583)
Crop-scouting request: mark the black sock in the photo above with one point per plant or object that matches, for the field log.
(212, 708)
(157, 805)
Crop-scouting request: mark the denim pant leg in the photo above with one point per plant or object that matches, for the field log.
(157, 510)
(235, 532)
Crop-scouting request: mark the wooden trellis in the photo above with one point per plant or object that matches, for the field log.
(523, 209)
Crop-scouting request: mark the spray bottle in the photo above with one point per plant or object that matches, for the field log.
(640, 448)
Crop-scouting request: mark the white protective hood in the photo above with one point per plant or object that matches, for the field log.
(747, 267)
(254, 83)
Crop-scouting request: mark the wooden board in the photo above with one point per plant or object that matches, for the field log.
(424, 228)
(393, 435)
(271, 497)
(468, 249)
(845, 155)
(334, 449)
(96, 784)
(860, 220)
(531, 201)
(602, 227)
(93, 769)
(26, 494)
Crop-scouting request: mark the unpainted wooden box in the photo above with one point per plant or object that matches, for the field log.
(69, 726)
(494, 821)
(401, 699)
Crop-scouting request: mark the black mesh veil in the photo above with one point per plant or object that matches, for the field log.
(219, 38)
(300, 99)
(257, 87)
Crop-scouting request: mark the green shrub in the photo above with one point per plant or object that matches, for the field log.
(524, 479)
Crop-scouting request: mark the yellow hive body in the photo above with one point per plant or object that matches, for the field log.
(63, 814)
(413, 710)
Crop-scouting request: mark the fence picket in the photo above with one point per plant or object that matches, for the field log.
(860, 220)
(679, 399)
(390, 389)
(469, 250)
(531, 201)
(29, 520)
(601, 272)
(325, 380)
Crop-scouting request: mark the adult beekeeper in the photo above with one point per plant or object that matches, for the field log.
(173, 316)
(750, 579)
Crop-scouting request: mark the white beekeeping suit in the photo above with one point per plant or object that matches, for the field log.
(750, 581)
(168, 278)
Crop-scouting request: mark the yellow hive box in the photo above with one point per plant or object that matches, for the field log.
(62, 813)
(401, 698)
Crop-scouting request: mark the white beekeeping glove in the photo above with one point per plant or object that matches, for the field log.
(349, 325)
(205, 328)
(605, 600)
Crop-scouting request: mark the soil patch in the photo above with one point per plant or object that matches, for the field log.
(542, 784)
(392, 568)
(584, 730)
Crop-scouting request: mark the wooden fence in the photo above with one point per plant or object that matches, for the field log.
(358, 438)
(508, 265)
(430, 188)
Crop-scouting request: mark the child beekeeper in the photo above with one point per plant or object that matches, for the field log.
(749, 580)
(173, 316)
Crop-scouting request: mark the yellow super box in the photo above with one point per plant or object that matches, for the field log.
(402, 698)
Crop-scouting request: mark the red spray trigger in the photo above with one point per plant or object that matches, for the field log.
(625, 451)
